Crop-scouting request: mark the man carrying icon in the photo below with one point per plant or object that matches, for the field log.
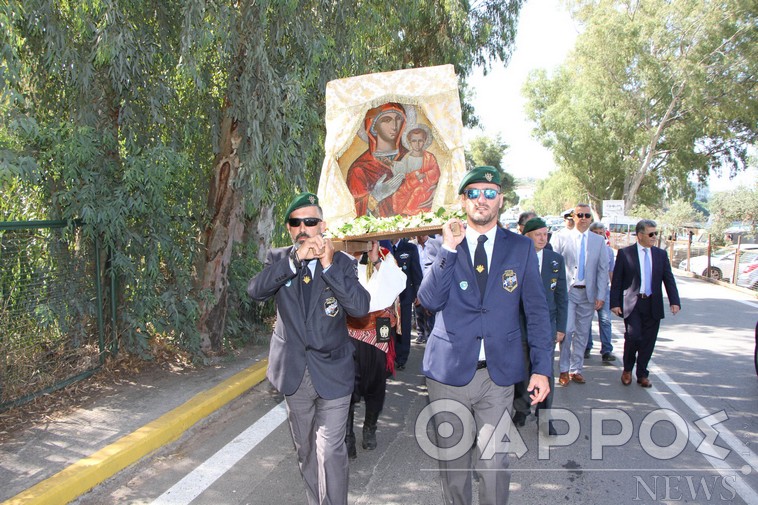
(477, 283)
(311, 354)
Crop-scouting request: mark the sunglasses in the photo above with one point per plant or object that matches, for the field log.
(310, 222)
(489, 194)
(581, 216)
(651, 234)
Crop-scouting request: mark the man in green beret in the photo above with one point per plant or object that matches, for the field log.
(553, 273)
(479, 279)
(311, 354)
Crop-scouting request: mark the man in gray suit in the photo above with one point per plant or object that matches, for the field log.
(587, 277)
(311, 355)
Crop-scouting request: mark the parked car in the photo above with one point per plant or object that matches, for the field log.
(722, 261)
(748, 274)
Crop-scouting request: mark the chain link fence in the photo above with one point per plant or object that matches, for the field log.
(51, 330)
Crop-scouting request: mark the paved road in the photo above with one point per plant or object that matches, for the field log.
(628, 445)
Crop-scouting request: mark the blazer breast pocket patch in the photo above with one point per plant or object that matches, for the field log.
(510, 281)
(553, 284)
(331, 307)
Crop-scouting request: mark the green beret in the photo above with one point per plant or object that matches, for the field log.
(480, 174)
(301, 200)
(534, 223)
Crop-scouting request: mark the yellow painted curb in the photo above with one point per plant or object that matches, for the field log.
(86, 473)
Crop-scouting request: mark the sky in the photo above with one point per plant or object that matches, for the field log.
(546, 34)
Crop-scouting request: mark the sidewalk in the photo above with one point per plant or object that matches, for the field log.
(56, 461)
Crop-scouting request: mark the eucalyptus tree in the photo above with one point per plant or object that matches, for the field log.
(654, 93)
(278, 57)
(179, 130)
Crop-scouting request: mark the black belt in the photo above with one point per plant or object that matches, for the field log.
(643, 296)
(481, 364)
(580, 287)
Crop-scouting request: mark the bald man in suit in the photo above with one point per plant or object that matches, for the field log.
(587, 278)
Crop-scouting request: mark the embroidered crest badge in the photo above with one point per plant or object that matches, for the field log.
(480, 268)
(306, 279)
(288, 283)
(331, 307)
(555, 266)
(510, 281)
(553, 284)
(463, 285)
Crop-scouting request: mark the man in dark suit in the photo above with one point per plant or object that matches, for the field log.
(553, 272)
(407, 258)
(637, 295)
(311, 355)
(476, 285)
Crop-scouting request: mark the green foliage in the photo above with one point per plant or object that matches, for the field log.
(680, 214)
(489, 151)
(738, 205)
(654, 93)
(560, 191)
(115, 113)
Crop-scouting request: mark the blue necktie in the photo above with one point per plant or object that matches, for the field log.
(582, 255)
(648, 273)
(480, 264)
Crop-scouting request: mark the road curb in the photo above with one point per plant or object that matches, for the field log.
(86, 473)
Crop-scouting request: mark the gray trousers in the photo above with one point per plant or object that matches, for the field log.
(580, 313)
(318, 430)
(489, 406)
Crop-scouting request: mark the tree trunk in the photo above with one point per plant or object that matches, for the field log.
(225, 205)
(633, 182)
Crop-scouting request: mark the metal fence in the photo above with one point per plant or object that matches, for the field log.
(51, 314)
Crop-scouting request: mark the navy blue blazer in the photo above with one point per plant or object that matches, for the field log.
(626, 281)
(463, 319)
(316, 335)
(407, 258)
(554, 281)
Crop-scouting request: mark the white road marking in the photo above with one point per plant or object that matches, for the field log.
(197, 481)
(736, 445)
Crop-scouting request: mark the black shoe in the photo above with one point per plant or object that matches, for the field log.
(587, 353)
(399, 366)
(551, 429)
(608, 357)
(519, 419)
(352, 453)
(420, 340)
(369, 430)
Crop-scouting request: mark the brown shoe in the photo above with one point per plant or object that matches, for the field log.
(577, 377)
(644, 382)
(563, 379)
(626, 378)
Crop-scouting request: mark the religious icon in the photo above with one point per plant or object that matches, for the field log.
(393, 146)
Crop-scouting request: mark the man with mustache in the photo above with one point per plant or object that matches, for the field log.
(311, 354)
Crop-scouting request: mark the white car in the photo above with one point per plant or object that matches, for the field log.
(722, 261)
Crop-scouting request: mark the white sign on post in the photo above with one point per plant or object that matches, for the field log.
(613, 208)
